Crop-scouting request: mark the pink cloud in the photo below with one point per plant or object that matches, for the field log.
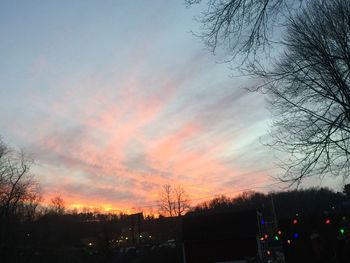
(106, 131)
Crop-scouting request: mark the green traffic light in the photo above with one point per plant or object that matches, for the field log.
(277, 238)
(342, 231)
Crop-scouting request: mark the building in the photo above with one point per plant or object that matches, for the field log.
(221, 237)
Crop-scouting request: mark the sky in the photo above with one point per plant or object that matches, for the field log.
(114, 99)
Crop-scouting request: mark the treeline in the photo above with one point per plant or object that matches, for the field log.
(305, 202)
(30, 232)
(28, 228)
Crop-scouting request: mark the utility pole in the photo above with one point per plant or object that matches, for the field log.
(274, 214)
(261, 244)
(279, 248)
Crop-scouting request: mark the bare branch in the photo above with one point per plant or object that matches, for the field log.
(309, 92)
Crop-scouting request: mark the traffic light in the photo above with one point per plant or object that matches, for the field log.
(295, 221)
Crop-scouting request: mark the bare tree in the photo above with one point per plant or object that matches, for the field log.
(182, 203)
(28, 211)
(309, 92)
(57, 205)
(17, 185)
(166, 202)
(173, 201)
(308, 86)
(244, 28)
(19, 193)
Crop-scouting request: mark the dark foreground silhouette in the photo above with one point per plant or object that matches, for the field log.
(301, 226)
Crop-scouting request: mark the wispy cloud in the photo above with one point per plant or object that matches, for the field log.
(109, 125)
(125, 142)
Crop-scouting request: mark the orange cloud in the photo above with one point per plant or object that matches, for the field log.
(114, 144)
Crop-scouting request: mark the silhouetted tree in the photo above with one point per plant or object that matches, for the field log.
(308, 87)
(245, 28)
(219, 203)
(309, 92)
(173, 201)
(309, 202)
(57, 205)
(28, 210)
(19, 193)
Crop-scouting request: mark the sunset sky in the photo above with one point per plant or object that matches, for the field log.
(114, 99)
